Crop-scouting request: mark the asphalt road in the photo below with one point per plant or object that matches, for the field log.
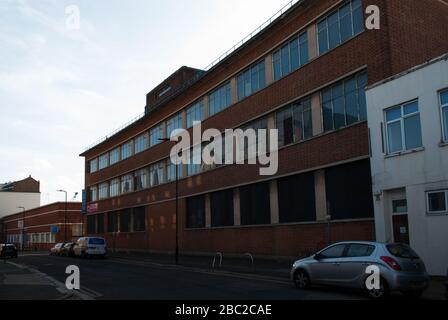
(116, 278)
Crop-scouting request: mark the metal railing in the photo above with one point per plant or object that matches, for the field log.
(278, 14)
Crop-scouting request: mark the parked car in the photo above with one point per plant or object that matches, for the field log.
(344, 264)
(8, 250)
(87, 247)
(56, 250)
(67, 250)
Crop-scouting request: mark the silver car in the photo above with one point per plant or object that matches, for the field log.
(345, 264)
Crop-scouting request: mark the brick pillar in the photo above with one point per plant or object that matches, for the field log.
(316, 111)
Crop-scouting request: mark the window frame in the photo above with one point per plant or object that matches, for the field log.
(103, 161)
(436, 213)
(141, 143)
(117, 150)
(288, 44)
(93, 165)
(103, 186)
(247, 75)
(225, 90)
(127, 146)
(192, 110)
(443, 107)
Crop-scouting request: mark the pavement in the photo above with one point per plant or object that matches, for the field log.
(38, 276)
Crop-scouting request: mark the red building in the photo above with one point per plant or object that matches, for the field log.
(44, 226)
(305, 75)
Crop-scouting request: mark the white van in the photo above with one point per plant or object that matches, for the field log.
(90, 246)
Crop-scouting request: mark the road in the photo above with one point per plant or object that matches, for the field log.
(31, 276)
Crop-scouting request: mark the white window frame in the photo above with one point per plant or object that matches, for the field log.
(101, 188)
(442, 107)
(435, 213)
(118, 151)
(401, 120)
(103, 159)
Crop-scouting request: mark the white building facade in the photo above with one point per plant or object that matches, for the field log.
(408, 123)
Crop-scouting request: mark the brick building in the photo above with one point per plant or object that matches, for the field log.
(24, 193)
(304, 74)
(44, 226)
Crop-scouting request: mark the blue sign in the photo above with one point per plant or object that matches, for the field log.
(84, 202)
(54, 229)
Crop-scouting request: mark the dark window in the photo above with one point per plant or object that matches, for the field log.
(96, 241)
(221, 204)
(196, 212)
(336, 251)
(360, 250)
(100, 223)
(112, 222)
(139, 218)
(255, 204)
(296, 198)
(91, 224)
(349, 191)
(401, 251)
(125, 218)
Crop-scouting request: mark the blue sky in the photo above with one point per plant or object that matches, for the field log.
(62, 89)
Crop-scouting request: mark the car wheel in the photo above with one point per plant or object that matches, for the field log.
(302, 279)
(381, 293)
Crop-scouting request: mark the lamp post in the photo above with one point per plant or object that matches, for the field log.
(23, 227)
(176, 253)
(65, 215)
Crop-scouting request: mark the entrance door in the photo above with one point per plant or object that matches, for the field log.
(401, 228)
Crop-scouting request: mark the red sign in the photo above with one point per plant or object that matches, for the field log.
(93, 207)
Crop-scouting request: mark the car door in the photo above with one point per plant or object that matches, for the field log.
(326, 267)
(353, 265)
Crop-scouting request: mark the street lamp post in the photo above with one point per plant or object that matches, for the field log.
(65, 215)
(23, 227)
(176, 253)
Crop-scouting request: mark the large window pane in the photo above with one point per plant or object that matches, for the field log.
(286, 67)
(303, 41)
(445, 121)
(358, 17)
(345, 17)
(351, 101)
(196, 212)
(294, 51)
(394, 137)
(323, 36)
(338, 106)
(413, 132)
(195, 113)
(334, 36)
(277, 65)
(255, 205)
(221, 205)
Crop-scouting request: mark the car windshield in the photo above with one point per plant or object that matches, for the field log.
(97, 241)
(402, 251)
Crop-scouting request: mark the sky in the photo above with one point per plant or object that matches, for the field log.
(63, 88)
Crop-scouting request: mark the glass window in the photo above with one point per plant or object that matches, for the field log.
(359, 250)
(444, 111)
(221, 208)
(344, 103)
(196, 212)
(156, 174)
(139, 219)
(340, 25)
(127, 150)
(291, 56)
(126, 184)
(114, 188)
(155, 134)
(93, 193)
(103, 191)
(141, 143)
(220, 99)
(251, 80)
(403, 127)
(195, 164)
(174, 123)
(195, 113)
(171, 171)
(103, 161)
(255, 204)
(94, 165)
(336, 251)
(141, 179)
(114, 156)
(112, 222)
(437, 201)
(400, 206)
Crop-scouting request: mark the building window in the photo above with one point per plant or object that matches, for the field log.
(344, 103)
(340, 26)
(138, 219)
(114, 188)
(114, 156)
(196, 212)
(125, 220)
(444, 106)
(103, 191)
(94, 165)
(294, 123)
(251, 144)
(91, 224)
(155, 134)
(437, 202)
(141, 143)
(220, 99)
(251, 80)
(156, 176)
(100, 223)
(126, 184)
(221, 205)
(195, 164)
(93, 193)
(300, 207)
(112, 222)
(171, 171)
(399, 206)
(291, 56)
(173, 124)
(349, 191)
(255, 204)
(126, 150)
(103, 161)
(141, 179)
(195, 113)
(403, 127)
